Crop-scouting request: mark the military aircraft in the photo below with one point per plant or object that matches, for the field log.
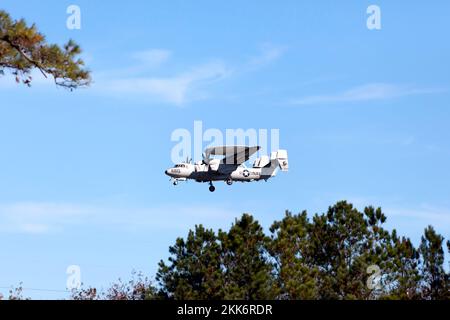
(230, 167)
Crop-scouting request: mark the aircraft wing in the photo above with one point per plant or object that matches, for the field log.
(233, 154)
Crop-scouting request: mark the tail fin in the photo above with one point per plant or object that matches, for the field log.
(282, 157)
(277, 159)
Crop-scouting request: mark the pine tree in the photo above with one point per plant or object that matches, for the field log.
(248, 273)
(330, 256)
(435, 279)
(195, 270)
(339, 245)
(296, 275)
(23, 49)
(404, 270)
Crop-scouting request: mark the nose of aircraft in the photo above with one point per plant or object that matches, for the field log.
(166, 172)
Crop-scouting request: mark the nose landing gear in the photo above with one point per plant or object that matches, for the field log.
(211, 187)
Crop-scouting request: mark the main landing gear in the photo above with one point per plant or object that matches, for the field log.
(211, 187)
(229, 181)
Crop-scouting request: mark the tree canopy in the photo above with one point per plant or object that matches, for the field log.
(341, 254)
(333, 255)
(23, 49)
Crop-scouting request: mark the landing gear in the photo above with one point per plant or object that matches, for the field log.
(175, 182)
(229, 181)
(211, 187)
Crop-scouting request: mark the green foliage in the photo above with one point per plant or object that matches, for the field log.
(23, 48)
(297, 276)
(403, 269)
(230, 265)
(341, 242)
(247, 272)
(327, 257)
(195, 270)
(436, 282)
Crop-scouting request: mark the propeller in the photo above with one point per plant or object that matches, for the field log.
(205, 160)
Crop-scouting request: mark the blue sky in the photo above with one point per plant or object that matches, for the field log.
(363, 113)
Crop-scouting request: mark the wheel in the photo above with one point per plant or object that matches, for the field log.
(175, 182)
(229, 182)
(212, 188)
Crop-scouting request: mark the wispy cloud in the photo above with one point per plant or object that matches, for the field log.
(149, 75)
(177, 89)
(439, 217)
(367, 92)
(413, 218)
(48, 217)
(42, 217)
(269, 53)
(153, 57)
(185, 86)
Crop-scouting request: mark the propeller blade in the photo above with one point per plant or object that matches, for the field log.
(205, 160)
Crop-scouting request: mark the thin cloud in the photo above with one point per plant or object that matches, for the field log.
(145, 79)
(41, 217)
(438, 217)
(416, 216)
(269, 53)
(177, 89)
(415, 219)
(184, 87)
(153, 57)
(367, 92)
(38, 218)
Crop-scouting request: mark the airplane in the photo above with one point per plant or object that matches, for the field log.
(231, 167)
